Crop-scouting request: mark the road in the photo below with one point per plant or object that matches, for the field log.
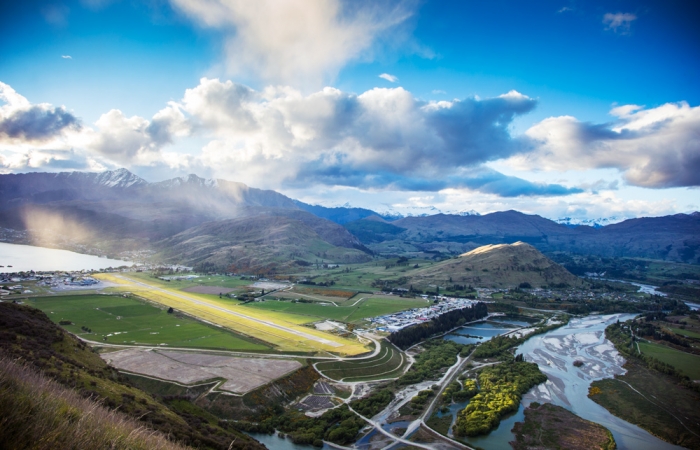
(452, 373)
(374, 353)
(379, 428)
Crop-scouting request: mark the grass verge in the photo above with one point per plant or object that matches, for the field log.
(389, 363)
(39, 413)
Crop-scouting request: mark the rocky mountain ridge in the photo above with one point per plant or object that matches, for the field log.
(119, 210)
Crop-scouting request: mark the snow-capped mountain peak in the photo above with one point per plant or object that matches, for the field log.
(190, 180)
(120, 178)
(595, 223)
(470, 212)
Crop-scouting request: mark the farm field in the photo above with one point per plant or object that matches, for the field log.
(355, 311)
(686, 333)
(204, 280)
(322, 292)
(687, 363)
(359, 277)
(663, 408)
(281, 330)
(389, 363)
(129, 321)
(294, 294)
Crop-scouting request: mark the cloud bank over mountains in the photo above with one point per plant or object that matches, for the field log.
(381, 139)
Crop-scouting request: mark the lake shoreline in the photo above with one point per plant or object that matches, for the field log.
(25, 258)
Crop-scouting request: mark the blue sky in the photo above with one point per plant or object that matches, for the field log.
(559, 108)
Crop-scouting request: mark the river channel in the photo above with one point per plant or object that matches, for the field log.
(555, 352)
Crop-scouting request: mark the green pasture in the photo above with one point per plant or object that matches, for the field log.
(368, 307)
(130, 321)
(389, 363)
(359, 277)
(686, 333)
(202, 280)
(687, 363)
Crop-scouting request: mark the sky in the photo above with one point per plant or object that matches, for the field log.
(561, 108)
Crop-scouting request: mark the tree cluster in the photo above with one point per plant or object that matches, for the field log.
(502, 387)
(338, 425)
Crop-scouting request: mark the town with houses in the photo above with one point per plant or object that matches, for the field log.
(397, 321)
(11, 283)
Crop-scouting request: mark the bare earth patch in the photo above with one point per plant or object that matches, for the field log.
(241, 374)
(213, 290)
(316, 402)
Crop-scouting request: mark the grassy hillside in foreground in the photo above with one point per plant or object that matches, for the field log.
(27, 335)
(39, 413)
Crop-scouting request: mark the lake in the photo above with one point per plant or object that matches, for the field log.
(24, 258)
(483, 331)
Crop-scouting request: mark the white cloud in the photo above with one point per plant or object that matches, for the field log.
(619, 22)
(389, 78)
(458, 151)
(66, 57)
(379, 138)
(135, 140)
(298, 42)
(438, 91)
(582, 205)
(21, 121)
(657, 147)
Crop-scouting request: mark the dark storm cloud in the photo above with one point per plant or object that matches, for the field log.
(482, 180)
(37, 122)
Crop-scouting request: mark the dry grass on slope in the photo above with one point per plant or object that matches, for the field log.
(38, 413)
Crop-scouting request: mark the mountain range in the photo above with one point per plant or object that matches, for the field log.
(192, 220)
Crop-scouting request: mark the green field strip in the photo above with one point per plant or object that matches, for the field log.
(356, 311)
(390, 361)
(342, 364)
(137, 322)
(393, 373)
(381, 367)
(687, 363)
(345, 371)
(686, 333)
